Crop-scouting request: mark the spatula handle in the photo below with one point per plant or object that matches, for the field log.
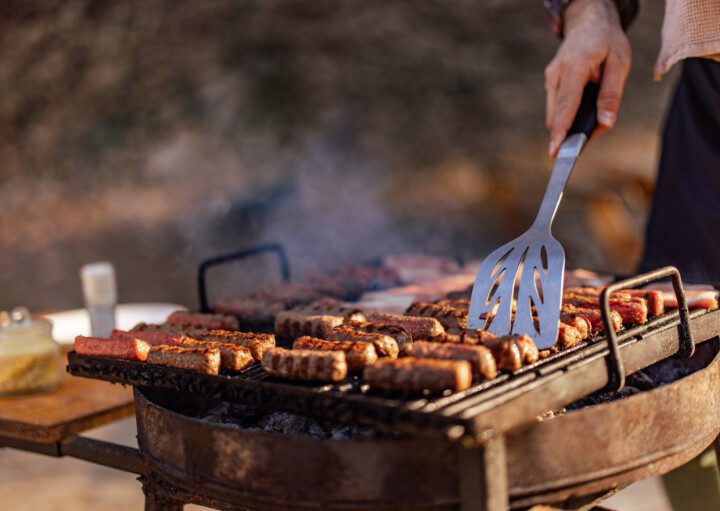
(586, 117)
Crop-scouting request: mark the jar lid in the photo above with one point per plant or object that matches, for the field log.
(19, 323)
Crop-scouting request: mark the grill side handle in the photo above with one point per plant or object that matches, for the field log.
(686, 348)
(223, 259)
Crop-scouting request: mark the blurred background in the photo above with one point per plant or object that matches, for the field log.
(152, 134)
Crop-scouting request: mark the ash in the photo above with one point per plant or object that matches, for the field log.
(253, 419)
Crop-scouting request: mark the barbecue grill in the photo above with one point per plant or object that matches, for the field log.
(480, 449)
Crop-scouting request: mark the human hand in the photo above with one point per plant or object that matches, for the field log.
(595, 48)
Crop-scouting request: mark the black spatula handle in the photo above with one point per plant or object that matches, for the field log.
(586, 117)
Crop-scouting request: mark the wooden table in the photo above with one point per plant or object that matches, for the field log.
(49, 423)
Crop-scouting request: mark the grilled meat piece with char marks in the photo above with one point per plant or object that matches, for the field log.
(125, 349)
(198, 319)
(480, 357)
(256, 343)
(419, 374)
(232, 356)
(312, 365)
(202, 360)
(291, 324)
(420, 328)
(358, 354)
(453, 320)
(402, 336)
(385, 346)
(511, 352)
(593, 315)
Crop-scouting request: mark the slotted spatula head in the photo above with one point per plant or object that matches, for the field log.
(518, 289)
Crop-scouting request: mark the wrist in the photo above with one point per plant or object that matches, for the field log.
(581, 12)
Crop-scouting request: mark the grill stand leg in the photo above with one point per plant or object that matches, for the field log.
(483, 474)
(157, 502)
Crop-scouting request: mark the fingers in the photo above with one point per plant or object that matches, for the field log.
(551, 85)
(617, 68)
(569, 93)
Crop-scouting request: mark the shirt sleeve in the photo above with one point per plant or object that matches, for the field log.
(554, 10)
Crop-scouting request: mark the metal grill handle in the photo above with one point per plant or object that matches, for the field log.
(219, 260)
(686, 347)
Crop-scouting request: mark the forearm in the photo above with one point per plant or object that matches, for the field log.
(556, 11)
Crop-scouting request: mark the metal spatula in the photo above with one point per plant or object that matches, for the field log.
(519, 286)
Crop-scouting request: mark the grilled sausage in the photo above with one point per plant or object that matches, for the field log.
(152, 338)
(256, 343)
(480, 357)
(419, 328)
(126, 349)
(418, 374)
(453, 320)
(305, 364)
(454, 303)
(402, 336)
(331, 307)
(568, 336)
(578, 321)
(291, 324)
(232, 356)
(209, 321)
(512, 351)
(593, 315)
(632, 310)
(357, 354)
(202, 360)
(385, 346)
(249, 310)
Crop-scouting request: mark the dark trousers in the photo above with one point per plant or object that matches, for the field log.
(684, 225)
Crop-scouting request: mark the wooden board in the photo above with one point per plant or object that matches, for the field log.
(78, 404)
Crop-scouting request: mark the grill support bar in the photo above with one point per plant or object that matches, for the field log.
(686, 342)
(483, 474)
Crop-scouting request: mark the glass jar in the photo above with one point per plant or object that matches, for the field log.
(29, 358)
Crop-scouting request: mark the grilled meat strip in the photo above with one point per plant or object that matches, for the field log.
(305, 364)
(232, 356)
(654, 298)
(152, 338)
(418, 374)
(126, 349)
(480, 357)
(402, 336)
(512, 351)
(633, 310)
(594, 317)
(291, 324)
(197, 319)
(453, 320)
(203, 360)
(358, 354)
(420, 328)
(256, 343)
(385, 346)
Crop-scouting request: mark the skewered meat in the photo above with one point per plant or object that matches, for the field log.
(453, 320)
(203, 360)
(331, 307)
(512, 351)
(305, 364)
(126, 349)
(480, 357)
(198, 319)
(256, 343)
(402, 336)
(385, 346)
(152, 338)
(418, 374)
(250, 310)
(419, 328)
(594, 317)
(291, 324)
(232, 356)
(357, 354)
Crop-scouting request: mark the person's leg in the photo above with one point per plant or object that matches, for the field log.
(684, 225)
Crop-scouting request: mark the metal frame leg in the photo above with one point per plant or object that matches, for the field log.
(483, 474)
(155, 502)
